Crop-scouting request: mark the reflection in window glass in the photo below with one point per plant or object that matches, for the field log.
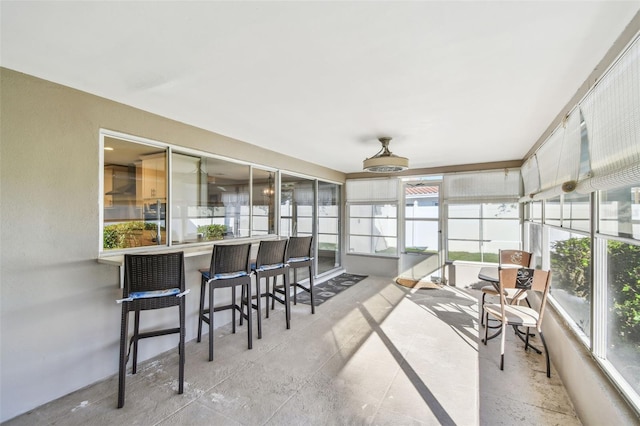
(373, 229)
(264, 196)
(296, 206)
(135, 194)
(576, 211)
(570, 255)
(210, 199)
(623, 302)
(620, 212)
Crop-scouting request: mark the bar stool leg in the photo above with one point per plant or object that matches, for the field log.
(124, 334)
(233, 310)
(136, 330)
(287, 295)
(203, 288)
(313, 305)
(295, 286)
(211, 305)
(258, 313)
(181, 347)
(249, 309)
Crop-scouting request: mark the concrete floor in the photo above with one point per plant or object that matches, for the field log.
(375, 354)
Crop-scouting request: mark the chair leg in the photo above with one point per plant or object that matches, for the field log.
(211, 305)
(124, 334)
(485, 315)
(181, 347)
(136, 330)
(504, 332)
(546, 353)
(482, 307)
(203, 288)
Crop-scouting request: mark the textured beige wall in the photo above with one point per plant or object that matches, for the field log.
(60, 325)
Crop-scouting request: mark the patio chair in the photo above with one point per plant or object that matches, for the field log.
(523, 280)
(229, 268)
(151, 281)
(508, 259)
(271, 262)
(299, 256)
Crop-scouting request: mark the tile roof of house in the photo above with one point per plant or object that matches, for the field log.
(421, 190)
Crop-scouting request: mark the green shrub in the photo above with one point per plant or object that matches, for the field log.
(122, 235)
(212, 232)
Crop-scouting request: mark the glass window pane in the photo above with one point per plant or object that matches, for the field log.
(360, 210)
(360, 244)
(264, 198)
(501, 210)
(210, 199)
(570, 255)
(464, 210)
(620, 212)
(421, 236)
(421, 200)
(328, 226)
(464, 229)
(297, 205)
(464, 250)
(536, 211)
(535, 243)
(502, 230)
(381, 226)
(552, 211)
(135, 195)
(576, 212)
(623, 322)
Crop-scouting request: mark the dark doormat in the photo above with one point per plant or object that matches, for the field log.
(327, 289)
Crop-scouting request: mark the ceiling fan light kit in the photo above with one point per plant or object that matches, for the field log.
(385, 161)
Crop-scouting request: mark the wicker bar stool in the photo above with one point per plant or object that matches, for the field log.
(151, 281)
(230, 267)
(299, 255)
(271, 262)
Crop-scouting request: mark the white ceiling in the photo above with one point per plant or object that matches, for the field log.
(453, 82)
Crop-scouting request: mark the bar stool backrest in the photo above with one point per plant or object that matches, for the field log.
(272, 252)
(230, 258)
(153, 272)
(299, 247)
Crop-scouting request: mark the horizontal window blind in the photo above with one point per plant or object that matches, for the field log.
(482, 187)
(530, 177)
(558, 159)
(359, 190)
(612, 117)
